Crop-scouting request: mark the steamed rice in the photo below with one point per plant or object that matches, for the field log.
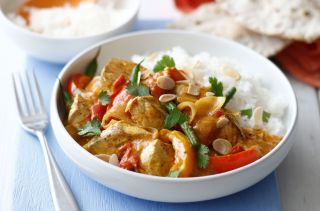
(250, 93)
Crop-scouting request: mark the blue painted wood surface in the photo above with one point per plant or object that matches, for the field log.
(31, 189)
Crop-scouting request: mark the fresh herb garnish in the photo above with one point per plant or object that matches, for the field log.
(174, 174)
(265, 116)
(104, 98)
(188, 131)
(66, 97)
(135, 73)
(246, 112)
(229, 95)
(202, 156)
(91, 128)
(174, 117)
(165, 61)
(135, 88)
(217, 89)
(216, 86)
(91, 68)
(182, 120)
(138, 90)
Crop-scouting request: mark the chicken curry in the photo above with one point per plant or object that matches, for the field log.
(159, 122)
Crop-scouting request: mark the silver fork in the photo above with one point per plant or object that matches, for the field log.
(34, 119)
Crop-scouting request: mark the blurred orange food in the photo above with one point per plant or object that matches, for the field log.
(22, 10)
(302, 60)
(189, 5)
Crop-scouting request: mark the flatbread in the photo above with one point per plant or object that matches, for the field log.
(290, 19)
(211, 19)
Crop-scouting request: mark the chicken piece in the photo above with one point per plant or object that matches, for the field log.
(80, 110)
(113, 69)
(146, 111)
(230, 132)
(116, 134)
(156, 158)
(205, 129)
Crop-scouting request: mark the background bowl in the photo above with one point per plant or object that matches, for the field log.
(59, 50)
(175, 189)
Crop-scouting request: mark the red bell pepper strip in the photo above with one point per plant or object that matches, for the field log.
(129, 159)
(118, 84)
(230, 162)
(98, 110)
(175, 74)
(156, 91)
(77, 81)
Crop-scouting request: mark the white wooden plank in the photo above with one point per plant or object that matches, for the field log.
(11, 60)
(299, 174)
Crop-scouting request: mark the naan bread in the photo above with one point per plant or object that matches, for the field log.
(291, 19)
(210, 18)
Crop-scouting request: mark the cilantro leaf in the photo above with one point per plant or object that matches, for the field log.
(66, 96)
(266, 116)
(182, 120)
(104, 98)
(202, 156)
(216, 86)
(229, 95)
(138, 90)
(246, 112)
(91, 128)
(175, 116)
(91, 68)
(174, 174)
(134, 88)
(165, 61)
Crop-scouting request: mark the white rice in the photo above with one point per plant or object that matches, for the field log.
(250, 93)
(66, 22)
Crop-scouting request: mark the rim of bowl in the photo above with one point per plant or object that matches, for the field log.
(54, 109)
(28, 32)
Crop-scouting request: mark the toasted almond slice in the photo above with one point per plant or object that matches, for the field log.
(209, 94)
(231, 73)
(113, 160)
(222, 146)
(257, 117)
(222, 121)
(167, 98)
(165, 82)
(193, 89)
(183, 82)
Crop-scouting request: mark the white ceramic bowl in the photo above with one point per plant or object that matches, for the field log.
(176, 189)
(59, 50)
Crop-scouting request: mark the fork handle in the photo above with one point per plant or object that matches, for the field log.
(60, 191)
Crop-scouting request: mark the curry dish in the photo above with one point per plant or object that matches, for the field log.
(159, 122)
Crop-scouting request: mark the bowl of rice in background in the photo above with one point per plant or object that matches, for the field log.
(58, 33)
(261, 84)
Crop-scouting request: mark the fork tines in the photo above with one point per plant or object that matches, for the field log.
(27, 92)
